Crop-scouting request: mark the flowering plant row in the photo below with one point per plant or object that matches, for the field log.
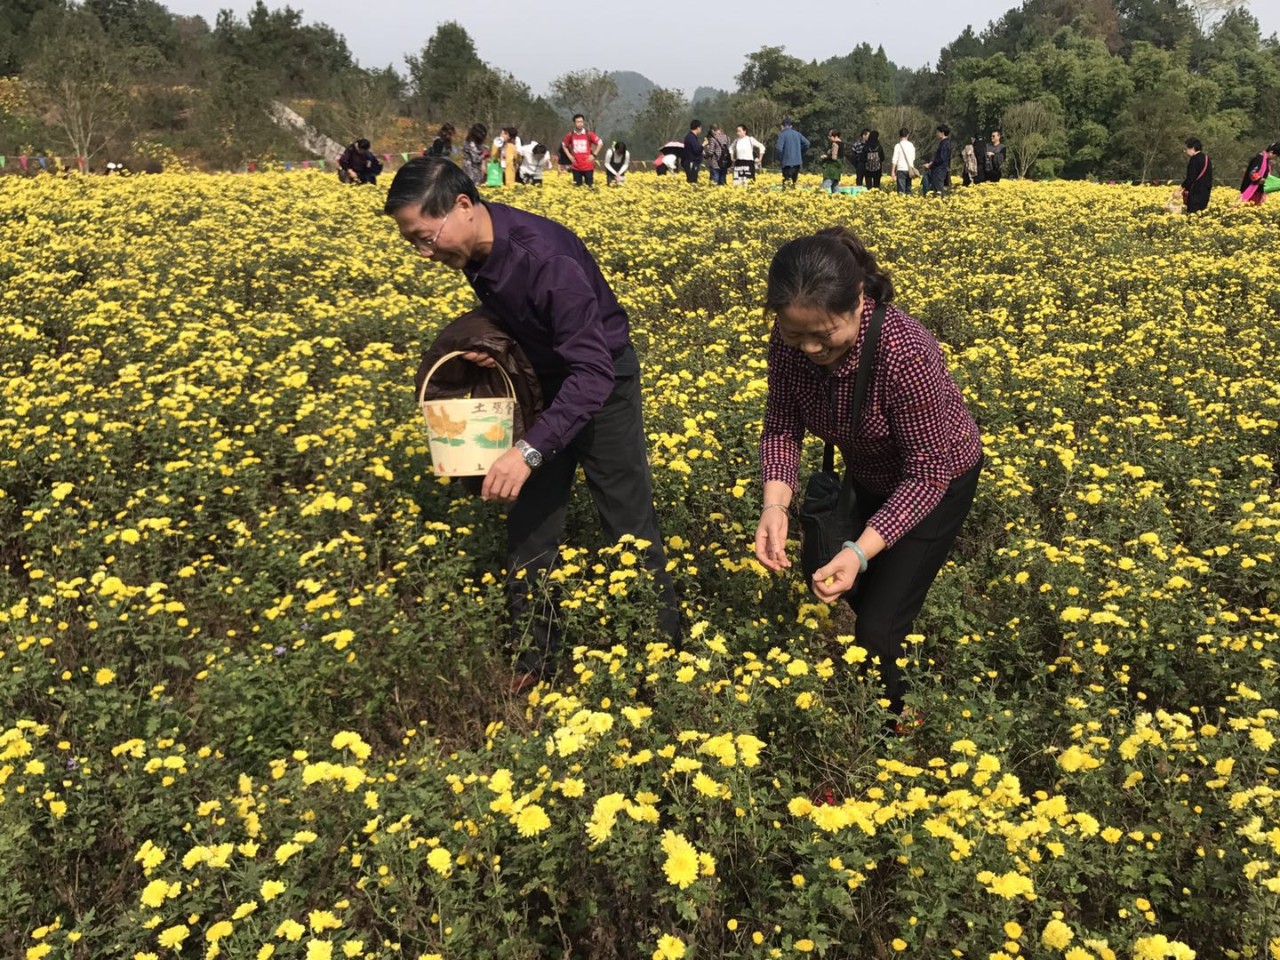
(249, 659)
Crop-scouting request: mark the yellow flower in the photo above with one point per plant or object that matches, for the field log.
(349, 740)
(531, 820)
(271, 889)
(681, 865)
(150, 856)
(322, 920)
(669, 948)
(172, 937)
(706, 786)
(103, 676)
(604, 815)
(800, 806)
(854, 655)
(156, 892)
(1056, 934)
(287, 850)
(218, 931)
(440, 860)
(319, 950)
(804, 945)
(1008, 885)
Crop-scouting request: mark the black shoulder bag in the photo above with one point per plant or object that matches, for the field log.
(828, 513)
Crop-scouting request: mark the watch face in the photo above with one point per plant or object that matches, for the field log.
(531, 456)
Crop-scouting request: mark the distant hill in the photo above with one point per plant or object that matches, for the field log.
(706, 93)
(633, 92)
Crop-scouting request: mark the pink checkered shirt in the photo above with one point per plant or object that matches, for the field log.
(915, 435)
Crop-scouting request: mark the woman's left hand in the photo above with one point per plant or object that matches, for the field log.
(836, 578)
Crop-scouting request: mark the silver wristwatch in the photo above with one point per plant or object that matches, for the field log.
(531, 456)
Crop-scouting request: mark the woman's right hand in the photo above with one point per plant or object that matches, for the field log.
(771, 539)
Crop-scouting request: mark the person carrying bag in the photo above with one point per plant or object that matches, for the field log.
(880, 391)
(828, 514)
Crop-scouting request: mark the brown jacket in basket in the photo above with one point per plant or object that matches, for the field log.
(478, 332)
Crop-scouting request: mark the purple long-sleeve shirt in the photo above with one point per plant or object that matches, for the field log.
(547, 291)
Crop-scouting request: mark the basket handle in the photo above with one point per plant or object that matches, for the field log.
(422, 391)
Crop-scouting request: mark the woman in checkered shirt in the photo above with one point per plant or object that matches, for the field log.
(917, 453)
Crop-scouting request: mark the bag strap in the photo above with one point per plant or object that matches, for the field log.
(865, 362)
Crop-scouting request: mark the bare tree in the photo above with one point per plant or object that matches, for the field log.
(367, 102)
(889, 120)
(77, 79)
(1209, 12)
(1029, 128)
(1150, 127)
(758, 111)
(494, 98)
(665, 116)
(588, 92)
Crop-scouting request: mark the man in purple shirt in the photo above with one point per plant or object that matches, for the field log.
(547, 291)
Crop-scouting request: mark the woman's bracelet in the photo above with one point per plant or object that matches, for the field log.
(780, 506)
(857, 550)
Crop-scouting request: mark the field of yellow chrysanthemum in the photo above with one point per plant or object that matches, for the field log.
(249, 642)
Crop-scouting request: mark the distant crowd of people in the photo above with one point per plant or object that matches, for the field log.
(739, 159)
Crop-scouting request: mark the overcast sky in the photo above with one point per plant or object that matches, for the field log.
(684, 44)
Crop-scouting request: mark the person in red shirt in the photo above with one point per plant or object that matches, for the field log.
(583, 145)
(915, 454)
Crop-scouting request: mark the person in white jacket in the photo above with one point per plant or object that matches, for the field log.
(617, 160)
(534, 162)
(746, 152)
(904, 161)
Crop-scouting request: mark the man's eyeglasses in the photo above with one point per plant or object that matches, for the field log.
(431, 244)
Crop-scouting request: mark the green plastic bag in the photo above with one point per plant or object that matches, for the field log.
(493, 174)
(1271, 184)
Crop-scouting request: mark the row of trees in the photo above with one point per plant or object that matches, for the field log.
(1103, 88)
(98, 76)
